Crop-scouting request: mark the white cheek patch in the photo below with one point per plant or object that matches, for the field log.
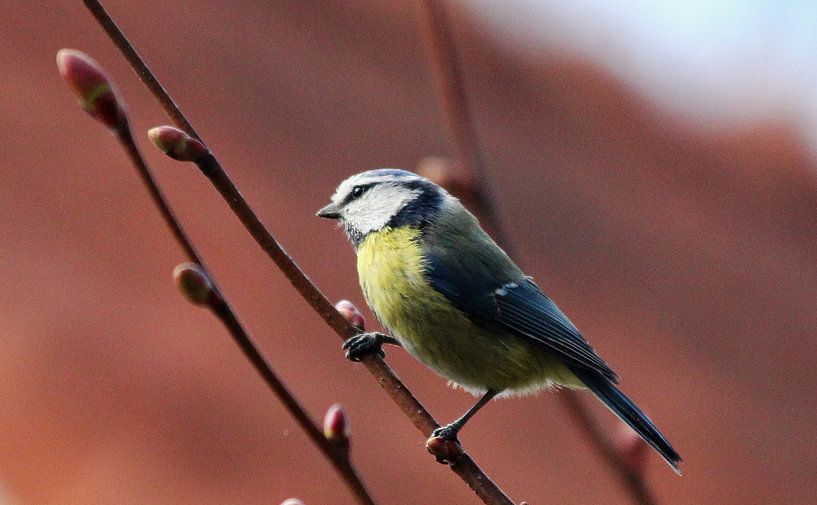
(376, 207)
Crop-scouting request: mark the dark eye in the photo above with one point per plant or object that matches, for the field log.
(357, 191)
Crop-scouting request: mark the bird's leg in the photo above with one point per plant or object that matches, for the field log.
(365, 343)
(449, 431)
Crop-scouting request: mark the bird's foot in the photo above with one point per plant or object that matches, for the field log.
(447, 432)
(366, 343)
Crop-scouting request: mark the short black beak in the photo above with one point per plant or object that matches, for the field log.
(331, 211)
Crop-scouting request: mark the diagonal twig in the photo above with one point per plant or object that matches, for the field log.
(222, 309)
(448, 75)
(464, 467)
(97, 94)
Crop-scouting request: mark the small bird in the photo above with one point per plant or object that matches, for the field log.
(454, 300)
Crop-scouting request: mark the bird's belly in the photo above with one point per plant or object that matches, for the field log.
(390, 266)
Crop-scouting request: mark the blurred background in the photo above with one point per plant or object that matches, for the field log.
(654, 164)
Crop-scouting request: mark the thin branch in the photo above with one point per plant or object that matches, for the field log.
(221, 307)
(464, 467)
(632, 480)
(448, 76)
(125, 138)
(139, 66)
(447, 70)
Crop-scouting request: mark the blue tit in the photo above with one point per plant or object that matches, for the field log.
(454, 300)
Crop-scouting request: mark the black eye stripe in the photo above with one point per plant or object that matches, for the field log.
(357, 192)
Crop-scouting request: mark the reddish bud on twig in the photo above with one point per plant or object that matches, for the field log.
(177, 144)
(292, 501)
(632, 449)
(336, 427)
(446, 451)
(92, 87)
(194, 283)
(351, 313)
(450, 174)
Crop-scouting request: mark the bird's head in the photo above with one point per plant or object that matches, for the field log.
(386, 197)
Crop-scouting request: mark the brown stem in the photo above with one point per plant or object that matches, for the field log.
(632, 480)
(226, 314)
(447, 69)
(465, 467)
(138, 65)
(442, 53)
(125, 138)
(339, 458)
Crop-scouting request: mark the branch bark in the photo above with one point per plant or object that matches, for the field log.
(222, 309)
(464, 467)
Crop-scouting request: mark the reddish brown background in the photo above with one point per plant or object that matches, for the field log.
(688, 257)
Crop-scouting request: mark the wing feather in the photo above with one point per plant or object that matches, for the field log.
(478, 278)
(525, 310)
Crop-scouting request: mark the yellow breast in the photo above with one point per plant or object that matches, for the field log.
(391, 266)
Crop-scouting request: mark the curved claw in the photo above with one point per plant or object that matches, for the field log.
(363, 344)
(447, 432)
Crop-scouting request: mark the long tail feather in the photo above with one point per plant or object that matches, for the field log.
(628, 412)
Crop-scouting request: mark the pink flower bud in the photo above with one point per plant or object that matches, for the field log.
(194, 283)
(632, 449)
(446, 451)
(351, 313)
(177, 144)
(336, 427)
(449, 174)
(92, 87)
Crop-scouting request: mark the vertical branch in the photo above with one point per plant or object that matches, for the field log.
(448, 77)
(442, 53)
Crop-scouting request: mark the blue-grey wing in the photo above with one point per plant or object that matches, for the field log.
(525, 310)
(497, 295)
